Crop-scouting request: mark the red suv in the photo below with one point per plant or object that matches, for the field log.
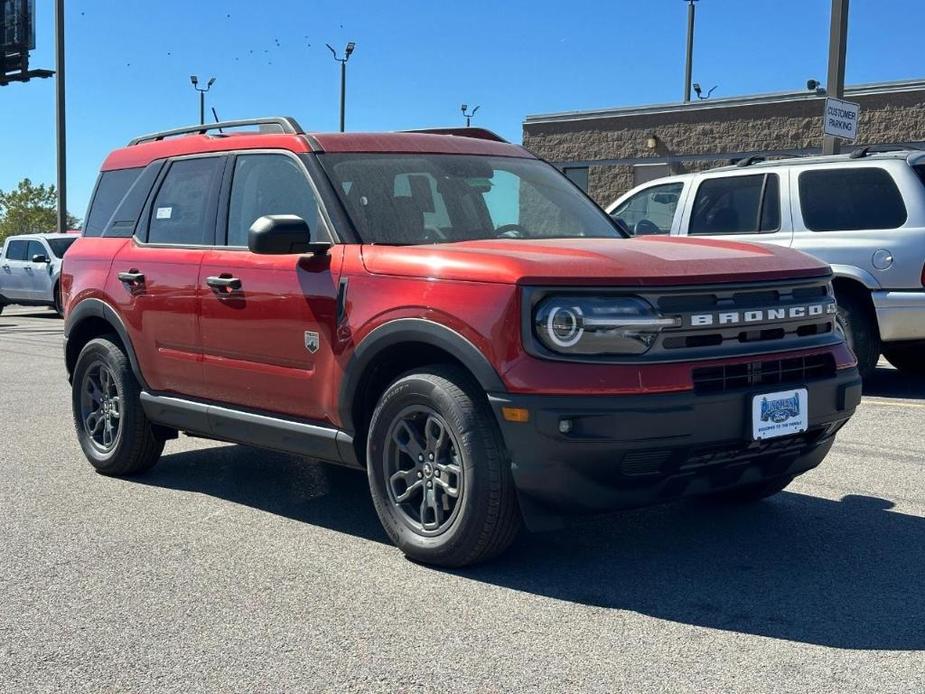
(448, 312)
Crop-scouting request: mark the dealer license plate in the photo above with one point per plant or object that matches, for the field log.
(780, 414)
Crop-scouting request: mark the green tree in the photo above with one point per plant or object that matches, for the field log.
(30, 208)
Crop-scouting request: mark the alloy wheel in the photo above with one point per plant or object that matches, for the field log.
(100, 407)
(424, 470)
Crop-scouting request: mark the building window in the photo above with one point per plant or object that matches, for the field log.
(577, 175)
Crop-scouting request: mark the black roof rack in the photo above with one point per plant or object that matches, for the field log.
(477, 133)
(748, 161)
(286, 125)
(872, 149)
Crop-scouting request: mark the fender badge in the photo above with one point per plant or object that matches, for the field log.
(312, 341)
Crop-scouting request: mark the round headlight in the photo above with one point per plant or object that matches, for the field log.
(564, 325)
(598, 325)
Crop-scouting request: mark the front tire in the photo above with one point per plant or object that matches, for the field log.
(438, 473)
(111, 425)
(908, 357)
(854, 322)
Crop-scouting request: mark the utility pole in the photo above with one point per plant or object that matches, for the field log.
(689, 62)
(838, 44)
(348, 51)
(61, 125)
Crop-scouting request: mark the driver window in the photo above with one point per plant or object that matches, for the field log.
(266, 184)
(650, 211)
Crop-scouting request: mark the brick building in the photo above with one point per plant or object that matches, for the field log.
(609, 151)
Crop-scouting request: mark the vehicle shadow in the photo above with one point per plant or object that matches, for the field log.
(887, 382)
(328, 496)
(844, 574)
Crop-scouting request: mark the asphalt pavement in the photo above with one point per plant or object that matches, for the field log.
(226, 568)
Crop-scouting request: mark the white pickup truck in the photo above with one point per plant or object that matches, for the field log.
(862, 213)
(30, 265)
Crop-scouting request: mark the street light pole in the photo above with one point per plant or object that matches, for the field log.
(838, 44)
(61, 124)
(688, 63)
(348, 51)
(469, 116)
(202, 96)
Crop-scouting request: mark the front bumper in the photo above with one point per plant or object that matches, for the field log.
(900, 314)
(629, 451)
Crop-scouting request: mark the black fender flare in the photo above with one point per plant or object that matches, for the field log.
(97, 308)
(420, 331)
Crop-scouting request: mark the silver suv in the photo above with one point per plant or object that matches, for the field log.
(862, 213)
(30, 265)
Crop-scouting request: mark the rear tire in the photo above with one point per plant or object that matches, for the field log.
(752, 492)
(111, 425)
(58, 306)
(439, 476)
(908, 357)
(854, 321)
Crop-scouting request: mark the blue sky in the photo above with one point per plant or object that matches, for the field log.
(416, 62)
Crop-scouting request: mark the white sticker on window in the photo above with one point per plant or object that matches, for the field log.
(164, 212)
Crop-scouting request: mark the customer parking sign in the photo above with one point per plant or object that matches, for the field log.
(841, 119)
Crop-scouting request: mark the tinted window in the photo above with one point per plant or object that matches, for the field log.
(849, 199)
(269, 184)
(110, 190)
(59, 246)
(181, 211)
(16, 250)
(737, 205)
(650, 211)
(465, 197)
(35, 248)
(123, 220)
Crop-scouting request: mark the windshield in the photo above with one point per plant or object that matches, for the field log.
(59, 246)
(406, 199)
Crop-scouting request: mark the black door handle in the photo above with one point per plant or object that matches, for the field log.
(132, 277)
(224, 283)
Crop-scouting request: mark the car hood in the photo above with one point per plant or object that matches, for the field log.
(648, 261)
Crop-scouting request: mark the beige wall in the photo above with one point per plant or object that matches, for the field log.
(796, 124)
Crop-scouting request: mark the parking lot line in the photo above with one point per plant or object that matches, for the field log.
(892, 403)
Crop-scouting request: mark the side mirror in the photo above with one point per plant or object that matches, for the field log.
(283, 234)
(40, 258)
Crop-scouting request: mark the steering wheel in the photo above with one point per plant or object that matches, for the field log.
(644, 227)
(511, 231)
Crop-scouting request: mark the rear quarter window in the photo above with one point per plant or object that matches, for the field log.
(110, 189)
(850, 199)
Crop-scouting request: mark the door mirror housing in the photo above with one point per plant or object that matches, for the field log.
(283, 234)
(40, 258)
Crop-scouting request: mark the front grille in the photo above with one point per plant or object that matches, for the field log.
(775, 372)
(741, 320)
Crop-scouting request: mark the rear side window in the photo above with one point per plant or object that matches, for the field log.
(16, 250)
(850, 199)
(737, 205)
(124, 219)
(110, 190)
(182, 210)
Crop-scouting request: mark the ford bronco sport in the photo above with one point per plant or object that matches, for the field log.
(451, 314)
